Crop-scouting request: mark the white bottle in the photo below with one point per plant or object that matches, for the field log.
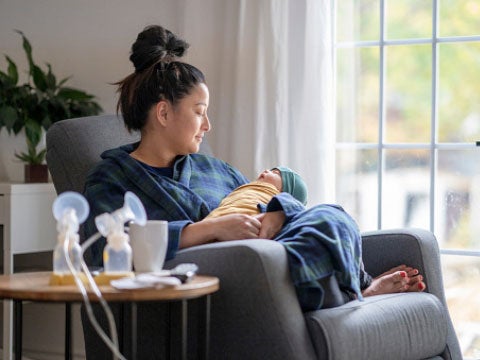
(60, 265)
(117, 255)
(67, 227)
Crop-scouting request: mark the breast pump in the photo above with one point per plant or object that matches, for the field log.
(117, 255)
(70, 209)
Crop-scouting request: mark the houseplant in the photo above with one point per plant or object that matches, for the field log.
(36, 104)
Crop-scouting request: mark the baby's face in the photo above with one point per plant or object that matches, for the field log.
(272, 177)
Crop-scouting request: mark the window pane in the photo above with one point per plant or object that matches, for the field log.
(461, 276)
(408, 93)
(457, 222)
(417, 14)
(459, 89)
(406, 189)
(357, 108)
(459, 17)
(358, 20)
(356, 183)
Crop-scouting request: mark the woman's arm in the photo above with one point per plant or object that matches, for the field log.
(224, 228)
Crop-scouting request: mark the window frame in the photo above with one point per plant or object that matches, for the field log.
(382, 146)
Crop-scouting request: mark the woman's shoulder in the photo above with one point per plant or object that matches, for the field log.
(199, 158)
(204, 161)
(112, 163)
(217, 167)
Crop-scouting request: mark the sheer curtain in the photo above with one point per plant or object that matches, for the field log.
(270, 70)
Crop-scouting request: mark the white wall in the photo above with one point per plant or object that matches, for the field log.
(90, 40)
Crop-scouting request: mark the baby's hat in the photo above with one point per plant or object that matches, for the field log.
(293, 184)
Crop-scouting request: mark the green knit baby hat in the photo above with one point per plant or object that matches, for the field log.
(293, 184)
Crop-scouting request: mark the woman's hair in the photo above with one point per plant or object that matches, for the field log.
(158, 75)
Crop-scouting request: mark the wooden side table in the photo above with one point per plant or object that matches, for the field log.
(35, 287)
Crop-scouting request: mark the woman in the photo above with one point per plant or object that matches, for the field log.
(167, 101)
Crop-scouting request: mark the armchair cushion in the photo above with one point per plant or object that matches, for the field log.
(394, 326)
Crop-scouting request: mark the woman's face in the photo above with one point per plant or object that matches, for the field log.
(189, 121)
(272, 177)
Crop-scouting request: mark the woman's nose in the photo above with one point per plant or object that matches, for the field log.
(206, 123)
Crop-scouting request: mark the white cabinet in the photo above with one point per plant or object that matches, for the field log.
(28, 227)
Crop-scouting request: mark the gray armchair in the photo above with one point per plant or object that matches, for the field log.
(255, 314)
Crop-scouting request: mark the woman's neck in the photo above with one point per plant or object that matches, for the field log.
(152, 154)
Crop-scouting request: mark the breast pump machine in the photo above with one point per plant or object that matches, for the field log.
(70, 209)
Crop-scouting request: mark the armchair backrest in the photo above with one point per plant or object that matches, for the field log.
(74, 146)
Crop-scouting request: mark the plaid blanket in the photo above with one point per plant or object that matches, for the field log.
(321, 241)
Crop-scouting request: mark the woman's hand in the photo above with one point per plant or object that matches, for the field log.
(272, 223)
(236, 227)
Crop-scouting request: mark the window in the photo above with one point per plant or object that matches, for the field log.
(408, 131)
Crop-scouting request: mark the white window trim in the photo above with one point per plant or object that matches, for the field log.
(433, 145)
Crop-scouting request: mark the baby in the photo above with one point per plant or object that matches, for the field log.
(246, 198)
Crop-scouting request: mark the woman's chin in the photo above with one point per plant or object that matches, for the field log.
(194, 149)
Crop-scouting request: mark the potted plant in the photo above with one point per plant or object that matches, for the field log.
(35, 105)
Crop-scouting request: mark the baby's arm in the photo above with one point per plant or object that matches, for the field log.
(272, 223)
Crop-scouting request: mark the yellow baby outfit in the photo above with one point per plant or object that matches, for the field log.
(245, 198)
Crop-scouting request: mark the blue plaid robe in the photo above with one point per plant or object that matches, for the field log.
(320, 241)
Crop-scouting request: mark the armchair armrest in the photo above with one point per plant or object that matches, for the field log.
(256, 310)
(385, 249)
(418, 248)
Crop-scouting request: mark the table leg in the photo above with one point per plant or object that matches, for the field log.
(68, 331)
(17, 305)
(7, 305)
(7, 329)
(134, 330)
(178, 329)
(204, 327)
(122, 333)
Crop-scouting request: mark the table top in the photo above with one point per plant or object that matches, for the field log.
(35, 286)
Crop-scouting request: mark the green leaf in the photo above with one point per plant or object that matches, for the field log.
(28, 49)
(23, 157)
(12, 71)
(8, 117)
(33, 133)
(63, 81)
(32, 157)
(39, 78)
(41, 156)
(51, 80)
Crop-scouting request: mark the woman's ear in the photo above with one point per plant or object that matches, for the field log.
(162, 108)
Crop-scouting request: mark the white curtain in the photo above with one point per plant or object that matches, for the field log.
(270, 72)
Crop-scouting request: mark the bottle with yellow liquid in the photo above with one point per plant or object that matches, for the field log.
(69, 209)
(117, 255)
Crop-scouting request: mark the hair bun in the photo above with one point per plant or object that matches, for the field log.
(156, 44)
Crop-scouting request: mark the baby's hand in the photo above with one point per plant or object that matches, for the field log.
(272, 223)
